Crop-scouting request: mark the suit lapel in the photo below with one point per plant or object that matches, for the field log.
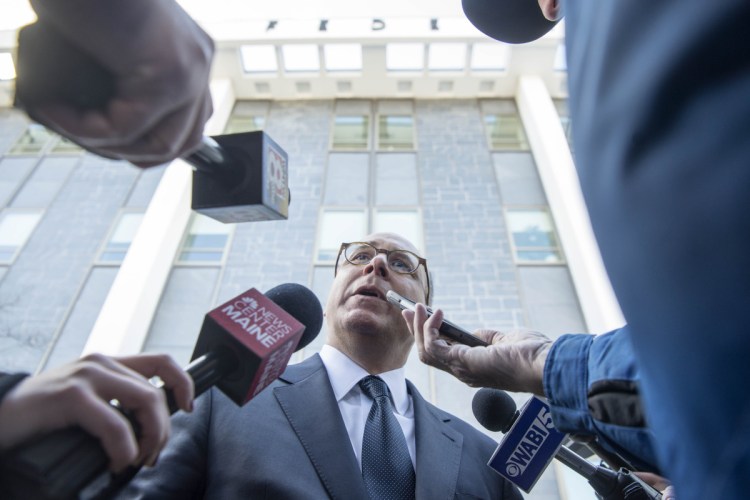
(311, 408)
(438, 451)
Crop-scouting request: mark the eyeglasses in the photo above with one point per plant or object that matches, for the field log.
(360, 253)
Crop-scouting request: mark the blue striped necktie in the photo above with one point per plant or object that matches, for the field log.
(386, 465)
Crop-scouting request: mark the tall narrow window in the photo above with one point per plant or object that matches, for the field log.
(351, 132)
(206, 241)
(504, 126)
(119, 240)
(337, 226)
(395, 132)
(533, 236)
(247, 116)
(15, 229)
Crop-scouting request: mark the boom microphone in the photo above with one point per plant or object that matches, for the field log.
(532, 441)
(244, 345)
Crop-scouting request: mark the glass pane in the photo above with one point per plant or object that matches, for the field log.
(447, 56)
(337, 227)
(206, 240)
(258, 58)
(351, 132)
(539, 256)
(533, 235)
(301, 57)
(15, 229)
(237, 124)
(32, 141)
(343, 57)
(489, 57)
(195, 241)
(347, 179)
(111, 256)
(403, 222)
(404, 56)
(396, 180)
(64, 146)
(121, 237)
(188, 256)
(506, 132)
(396, 132)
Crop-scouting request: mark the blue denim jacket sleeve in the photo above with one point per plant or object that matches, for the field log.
(588, 380)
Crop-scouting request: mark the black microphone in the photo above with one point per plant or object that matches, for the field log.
(243, 346)
(495, 410)
(510, 21)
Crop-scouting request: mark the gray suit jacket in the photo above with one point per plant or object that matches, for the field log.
(290, 442)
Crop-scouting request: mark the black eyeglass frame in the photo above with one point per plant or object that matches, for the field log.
(421, 261)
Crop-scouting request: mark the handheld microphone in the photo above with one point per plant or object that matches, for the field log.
(244, 345)
(236, 178)
(532, 441)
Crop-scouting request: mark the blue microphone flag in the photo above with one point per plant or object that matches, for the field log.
(528, 447)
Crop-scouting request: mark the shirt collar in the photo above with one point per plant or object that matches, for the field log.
(345, 374)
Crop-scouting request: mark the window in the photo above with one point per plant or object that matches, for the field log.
(301, 57)
(347, 179)
(561, 105)
(119, 240)
(504, 126)
(343, 57)
(506, 132)
(247, 116)
(337, 226)
(7, 68)
(351, 132)
(533, 236)
(404, 56)
(206, 241)
(66, 147)
(395, 132)
(396, 179)
(447, 57)
(237, 124)
(489, 57)
(407, 223)
(15, 229)
(33, 141)
(258, 58)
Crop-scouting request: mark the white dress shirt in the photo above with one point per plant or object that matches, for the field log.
(345, 375)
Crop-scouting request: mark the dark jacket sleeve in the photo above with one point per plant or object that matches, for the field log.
(180, 472)
(591, 382)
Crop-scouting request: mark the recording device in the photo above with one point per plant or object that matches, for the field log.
(244, 345)
(236, 178)
(532, 441)
(447, 329)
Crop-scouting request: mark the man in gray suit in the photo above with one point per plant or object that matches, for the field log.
(309, 434)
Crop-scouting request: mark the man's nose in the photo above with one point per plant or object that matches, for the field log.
(378, 264)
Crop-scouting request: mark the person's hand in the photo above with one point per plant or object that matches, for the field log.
(514, 361)
(79, 394)
(160, 60)
(658, 483)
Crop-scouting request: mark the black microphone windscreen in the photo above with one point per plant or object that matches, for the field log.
(494, 409)
(509, 21)
(303, 304)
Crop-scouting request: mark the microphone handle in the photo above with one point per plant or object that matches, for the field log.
(70, 463)
(611, 485)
